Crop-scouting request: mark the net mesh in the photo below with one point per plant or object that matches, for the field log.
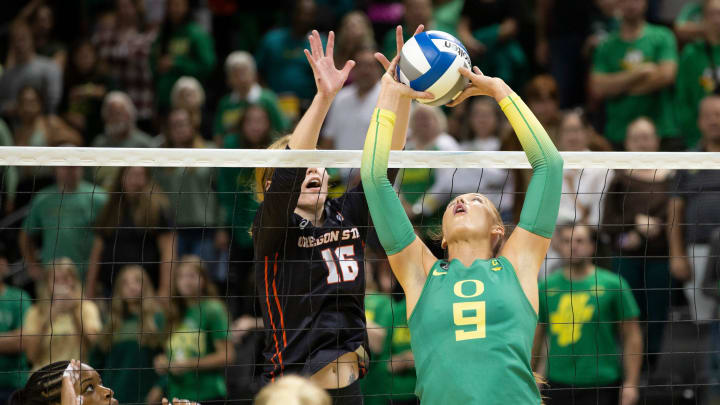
(109, 244)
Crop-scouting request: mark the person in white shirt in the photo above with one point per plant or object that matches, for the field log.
(347, 121)
(583, 189)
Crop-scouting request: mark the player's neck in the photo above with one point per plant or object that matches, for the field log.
(579, 271)
(468, 251)
(316, 217)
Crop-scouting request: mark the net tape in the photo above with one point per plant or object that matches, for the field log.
(171, 157)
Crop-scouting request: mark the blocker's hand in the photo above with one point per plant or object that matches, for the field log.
(389, 83)
(481, 85)
(328, 79)
(399, 43)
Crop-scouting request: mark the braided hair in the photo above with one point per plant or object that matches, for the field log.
(43, 387)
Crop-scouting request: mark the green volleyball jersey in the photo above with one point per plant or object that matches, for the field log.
(472, 332)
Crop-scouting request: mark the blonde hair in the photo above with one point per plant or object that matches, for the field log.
(239, 59)
(45, 289)
(186, 83)
(292, 390)
(119, 310)
(178, 303)
(264, 174)
(436, 112)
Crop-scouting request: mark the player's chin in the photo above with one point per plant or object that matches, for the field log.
(311, 199)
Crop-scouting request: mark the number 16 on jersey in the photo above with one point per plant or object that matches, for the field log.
(346, 259)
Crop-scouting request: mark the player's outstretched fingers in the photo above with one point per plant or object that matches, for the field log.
(345, 72)
(311, 61)
(315, 45)
(330, 45)
(383, 60)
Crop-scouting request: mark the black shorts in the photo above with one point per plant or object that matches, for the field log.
(350, 395)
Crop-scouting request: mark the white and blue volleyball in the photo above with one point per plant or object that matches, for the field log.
(429, 61)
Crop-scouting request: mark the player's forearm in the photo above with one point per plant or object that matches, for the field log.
(632, 354)
(542, 199)
(307, 131)
(402, 119)
(391, 223)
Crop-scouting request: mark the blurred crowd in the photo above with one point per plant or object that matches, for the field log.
(601, 75)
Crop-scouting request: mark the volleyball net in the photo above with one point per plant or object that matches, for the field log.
(102, 246)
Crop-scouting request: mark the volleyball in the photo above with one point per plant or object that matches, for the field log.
(429, 61)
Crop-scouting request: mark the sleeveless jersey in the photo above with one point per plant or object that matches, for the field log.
(472, 332)
(310, 280)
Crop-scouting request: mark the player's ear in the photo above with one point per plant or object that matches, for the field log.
(267, 185)
(443, 243)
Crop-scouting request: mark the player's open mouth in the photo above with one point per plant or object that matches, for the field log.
(459, 209)
(314, 184)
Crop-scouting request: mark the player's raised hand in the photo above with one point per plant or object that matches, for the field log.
(481, 85)
(328, 79)
(399, 42)
(390, 84)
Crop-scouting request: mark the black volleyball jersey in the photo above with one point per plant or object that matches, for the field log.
(310, 280)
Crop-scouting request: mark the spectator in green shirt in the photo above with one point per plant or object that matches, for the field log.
(182, 48)
(61, 217)
(198, 347)
(689, 25)
(633, 71)
(241, 76)
(14, 304)
(391, 375)
(131, 339)
(586, 314)
(281, 60)
(698, 74)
